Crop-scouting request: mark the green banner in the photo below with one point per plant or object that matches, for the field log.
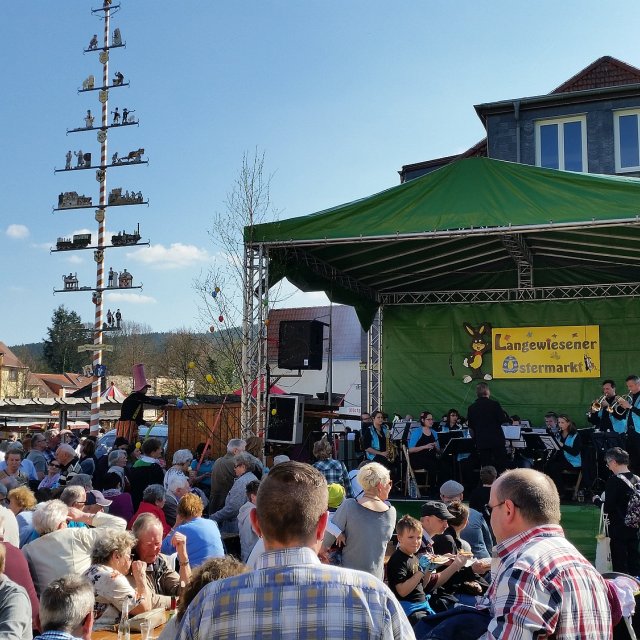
(425, 349)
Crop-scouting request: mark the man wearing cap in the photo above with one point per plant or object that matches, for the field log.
(476, 533)
(132, 412)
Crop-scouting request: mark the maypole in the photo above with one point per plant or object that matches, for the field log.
(71, 200)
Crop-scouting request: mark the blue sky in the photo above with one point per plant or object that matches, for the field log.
(339, 95)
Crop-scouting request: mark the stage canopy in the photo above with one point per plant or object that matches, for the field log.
(477, 230)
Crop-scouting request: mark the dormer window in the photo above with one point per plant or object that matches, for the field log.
(626, 130)
(561, 143)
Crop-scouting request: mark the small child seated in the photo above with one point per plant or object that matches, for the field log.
(404, 574)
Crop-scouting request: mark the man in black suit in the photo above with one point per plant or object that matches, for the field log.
(485, 418)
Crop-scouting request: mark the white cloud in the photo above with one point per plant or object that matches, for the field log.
(75, 260)
(177, 256)
(132, 298)
(17, 231)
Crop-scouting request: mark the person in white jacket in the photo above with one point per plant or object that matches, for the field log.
(59, 550)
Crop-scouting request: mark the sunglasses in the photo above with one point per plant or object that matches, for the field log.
(489, 508)
(54, 464)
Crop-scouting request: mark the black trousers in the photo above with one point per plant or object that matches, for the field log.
(633, 449)
(624, 555)
(497, 457)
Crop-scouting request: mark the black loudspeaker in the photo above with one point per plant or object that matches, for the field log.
(300, 344)
(284, 421)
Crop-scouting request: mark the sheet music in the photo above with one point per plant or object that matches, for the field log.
(550, 442)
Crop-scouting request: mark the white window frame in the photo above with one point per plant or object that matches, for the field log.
(582, 119)
(616, 138)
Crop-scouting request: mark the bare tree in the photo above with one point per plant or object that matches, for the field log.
(220, 289)
(134, 343)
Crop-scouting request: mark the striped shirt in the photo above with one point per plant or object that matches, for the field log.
(544, 588)
(292, 596)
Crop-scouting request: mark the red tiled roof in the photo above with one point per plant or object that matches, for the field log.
(10, 359)
(603, 72)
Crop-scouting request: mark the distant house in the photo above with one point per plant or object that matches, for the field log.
(14, 376)
(590, 123)
(62, 385)
(348, 341)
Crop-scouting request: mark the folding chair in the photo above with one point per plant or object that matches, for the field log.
(413, 487)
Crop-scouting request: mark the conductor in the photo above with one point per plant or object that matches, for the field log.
(485, 418)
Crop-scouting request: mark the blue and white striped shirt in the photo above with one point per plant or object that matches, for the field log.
(293, 596)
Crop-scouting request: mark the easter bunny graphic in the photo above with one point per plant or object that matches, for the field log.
(479, 347)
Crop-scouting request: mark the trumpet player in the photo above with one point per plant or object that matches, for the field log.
(606, 413)
(632, 403)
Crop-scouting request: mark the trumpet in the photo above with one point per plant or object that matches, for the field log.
(596, 405)
(616, 408)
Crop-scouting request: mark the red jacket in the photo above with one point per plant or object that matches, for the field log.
(147, 507)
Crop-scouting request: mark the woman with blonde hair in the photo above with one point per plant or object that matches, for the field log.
(366, 523)
(22, 502)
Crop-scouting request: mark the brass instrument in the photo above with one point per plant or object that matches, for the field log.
(392, 451)
(616, 408)
(596, 405)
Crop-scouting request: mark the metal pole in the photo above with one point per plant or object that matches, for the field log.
(330, 372)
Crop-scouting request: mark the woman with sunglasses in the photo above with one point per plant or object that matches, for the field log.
(52, 479)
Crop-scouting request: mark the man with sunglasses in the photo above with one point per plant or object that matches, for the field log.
(542, 586)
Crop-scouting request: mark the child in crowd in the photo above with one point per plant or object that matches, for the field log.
(404, 574)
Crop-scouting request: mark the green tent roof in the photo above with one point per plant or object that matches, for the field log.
(448, 230)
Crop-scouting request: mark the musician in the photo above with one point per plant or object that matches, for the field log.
(569, 457)
(485, 418)
(374, 440)
(453, 421)
(606, 420)
(551, 424)
(633, 421)
(423, 446)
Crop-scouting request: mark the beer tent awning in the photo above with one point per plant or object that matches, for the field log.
(455, 228)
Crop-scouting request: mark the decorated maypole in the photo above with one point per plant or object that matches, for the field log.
(71, 200)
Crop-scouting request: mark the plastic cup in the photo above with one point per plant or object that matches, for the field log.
(145, 629)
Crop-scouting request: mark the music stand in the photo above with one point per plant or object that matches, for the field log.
(445, 438)
(540, 442)
(457, 446)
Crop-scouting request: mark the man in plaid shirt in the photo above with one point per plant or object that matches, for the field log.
(334, 471)
(542, 587)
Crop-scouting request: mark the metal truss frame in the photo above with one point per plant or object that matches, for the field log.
(374, 364)
(517, 247)
(255, 292)
(577, 292)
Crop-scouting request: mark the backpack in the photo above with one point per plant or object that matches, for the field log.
(632, 517)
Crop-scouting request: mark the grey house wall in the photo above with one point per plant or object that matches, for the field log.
(502, 132)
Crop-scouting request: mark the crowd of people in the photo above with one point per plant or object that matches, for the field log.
(319, 551)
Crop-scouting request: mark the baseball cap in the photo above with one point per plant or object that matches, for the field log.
(336, 495)
(280, 459)
(435, 508)
(96, 497)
